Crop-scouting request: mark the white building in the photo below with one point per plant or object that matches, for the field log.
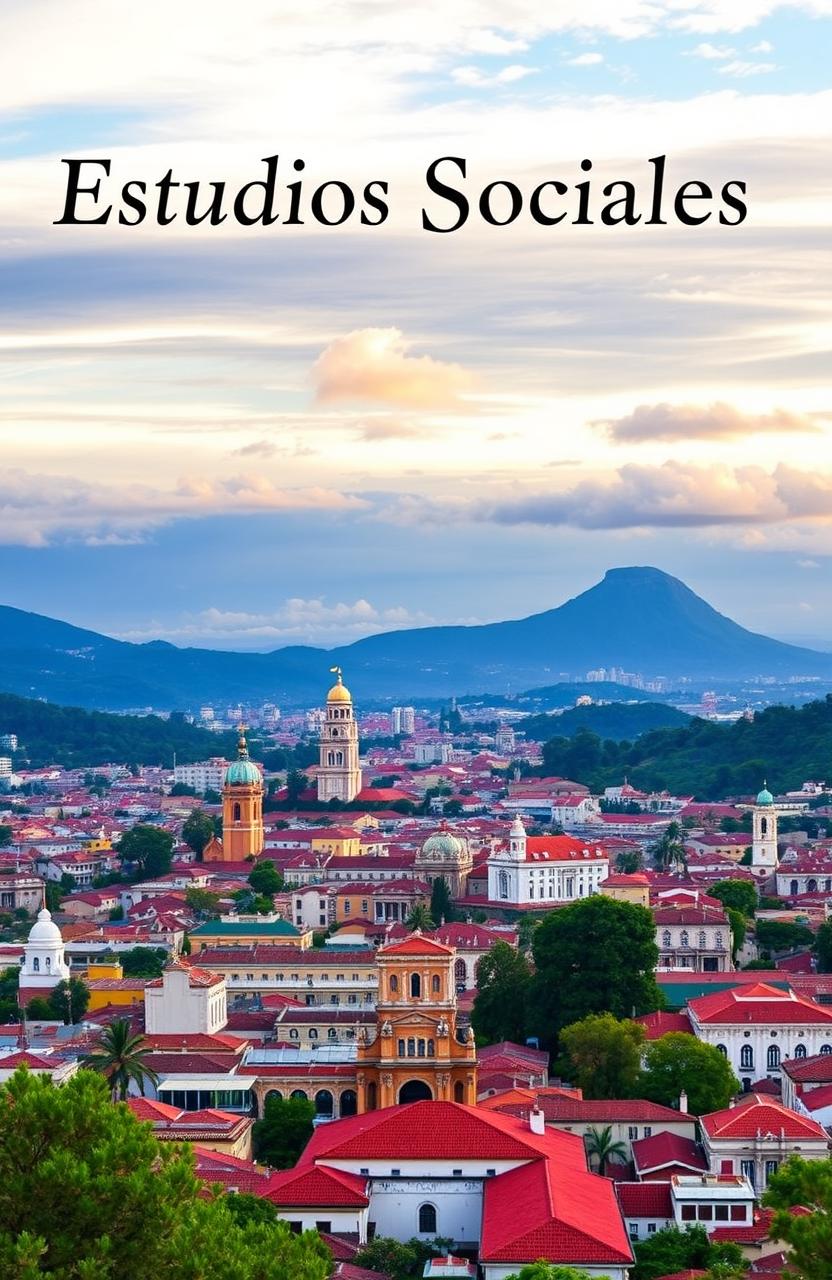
(757, 1026)
(205, 775)
(505, 739)
(544, 869)
(764, 835)
(695, 937)
(44, 960)
(753, 1138)
(5, 768)
(403, 720)
(185, 1000)
(313, 907)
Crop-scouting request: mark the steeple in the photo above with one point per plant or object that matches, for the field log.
(339, 775)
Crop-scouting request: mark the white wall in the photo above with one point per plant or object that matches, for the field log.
(395, 1203)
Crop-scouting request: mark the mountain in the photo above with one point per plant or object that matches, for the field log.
(640, 619)
(619, 721)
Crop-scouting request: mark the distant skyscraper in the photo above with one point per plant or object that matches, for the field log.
(505, 739)
(403, 720)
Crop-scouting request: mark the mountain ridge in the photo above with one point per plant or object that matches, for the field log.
(637, 617)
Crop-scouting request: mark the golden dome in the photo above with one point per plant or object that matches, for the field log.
(339, 691)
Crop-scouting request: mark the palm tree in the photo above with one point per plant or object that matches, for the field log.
(599, 1142)
(419, 918)
(121, 1058)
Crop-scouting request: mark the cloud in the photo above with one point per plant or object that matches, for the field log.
(39, 509)
(712, 51)
(374, 365)
(676, 495)
(387, 427)
(585, 60)
(473, 78)
(740, 70)
(717, 421)
(257, 449)
(297, 620)
(765, 46)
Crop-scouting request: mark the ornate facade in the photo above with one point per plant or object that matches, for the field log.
(339, 775)
(416, 1052)
(242, 811)
(446, 856)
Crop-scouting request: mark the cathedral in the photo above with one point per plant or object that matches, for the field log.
(445, 856)
(339, 776)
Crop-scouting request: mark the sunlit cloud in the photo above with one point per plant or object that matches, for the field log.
(375, 365)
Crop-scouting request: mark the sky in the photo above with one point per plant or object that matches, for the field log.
(246, 437)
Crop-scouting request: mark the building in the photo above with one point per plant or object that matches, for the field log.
(204, 775)
(756, 1026)
(629, 1119)
(695, 937)
(403, 721)
(764, 835)
(243, 930)
(242, 811)
(185, 1000)
(221, 1131)
(381, 902)
(755, 1136)
(418, 1051)
(532, 870)
(632, 887)
(336, 977)
(21, 893)
(44, 959)
(339, 774)
(445, 856)
(512, 1189)
(505, 739)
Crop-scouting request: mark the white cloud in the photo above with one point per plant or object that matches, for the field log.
(765, 46)
(474, 78)
(741, 70)
(717, 421)
(712, 51)
(585, 60)
(375, 365)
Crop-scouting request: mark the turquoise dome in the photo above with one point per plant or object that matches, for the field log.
(765, 797)
(242, 773)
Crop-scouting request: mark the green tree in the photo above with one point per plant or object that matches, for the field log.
(281, 1135)
(395, 1258)
(6, 833)
(265, 878)
(121, 1059)
(808, 1184)
(441, 903)
(736, 922)
(296, 783)
(782, 935)
(143, 962)
(90, 1194)
(601, 1146)
(150, 848)
(630, 861)
(202, 901)
(741, 895)
(597, 955)
(602, 1055)
(500, 1007)
(669, 849)
(549, 1271)
(182, 789)
(69, 1001)
(452, 808)
(197, 830)
(823, 947)
(672, 1251)
(245, 1208)
(678, 1061)
(420, 918)
(9, 983)
(39, 1010)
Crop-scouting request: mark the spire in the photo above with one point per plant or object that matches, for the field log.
(242, 745)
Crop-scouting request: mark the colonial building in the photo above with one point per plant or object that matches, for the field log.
(185, 1000)
(242, 811)
(696, 937)
(446, 856)
(44, 959)
(339, 776)
(340, 978)
(417, 1051)
(754, 1137)
(540, 870)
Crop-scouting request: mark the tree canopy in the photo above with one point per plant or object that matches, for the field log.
(88, 1193)
(284, 1130)
(672, 1251)
(597, 955)
(265, 878)
(807, 1184)
(602, 1055)
(678, 1061)
(740, 895)
(500, 1007)
(197, 830)
(149, 847)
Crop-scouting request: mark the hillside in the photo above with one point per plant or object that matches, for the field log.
(638, 618)
(75, 738)
(783, 745)
(619, 720)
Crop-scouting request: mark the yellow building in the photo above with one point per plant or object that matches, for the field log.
(627, 888)
(108, 985)
(340, 842)
(416, 1052)
(382, 902)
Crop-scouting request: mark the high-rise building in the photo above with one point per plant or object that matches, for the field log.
(339, 776)
(403, 720)
(8, 742)
(505, 739)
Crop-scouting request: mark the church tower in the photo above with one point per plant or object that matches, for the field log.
(417, 1051)
(44, 961)
(242, 811)
(339, 777)
(764, 834)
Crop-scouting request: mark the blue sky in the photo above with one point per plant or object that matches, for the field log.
(259, 436)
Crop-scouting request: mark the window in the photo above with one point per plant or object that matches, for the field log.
(490, 1173)
(36, 965)
(395, 1173)
(457, 1173)
(431, 1049)
(435, 984)
(771, 1168)
(332, 1034)
(703, 941)
(502, 884)
(427, 1219)
(666, 938)
(632, 1230)
(684, 938)
(296, 1227)
(293, 1033)
(723, 1050)
(738, 1213)
(236, 813)
(773, 1057)
(323, 1226)
(718, 941)
(747, 1058)
(394, 982)
(421, 1048)
(688, 1212)
(800, 1051)
(632, 1132)
(648, 1130)
(401, 1048)
(747, 1171)
(651, 1228)
(826, 1048)
(411, 1047)
(721, 1212)
(313, 1033)
(415, 986)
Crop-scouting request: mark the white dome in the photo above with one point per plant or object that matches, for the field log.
(44, 931)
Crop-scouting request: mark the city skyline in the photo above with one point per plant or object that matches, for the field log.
(252, 437)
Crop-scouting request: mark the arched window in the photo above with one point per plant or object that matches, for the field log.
(421, 1048)
(747, 1058)
(434, 984)
(800, 1051)
(459, 970)
(331, 758)
(237, 812)
(431, 1049)
(718, 941)
(313, 1033)
(332, 1034)
(293, 1033)
(703, 941)
(773, 1057)
(666, 938)
(427, 1219)
(274, 1093)
(722, 1049)
(763, 826)
(36, 965)
(394, 982)
(297, 1093)
(415, 986)
(339, 757)
(794, 888)
(48, 963)
(826, 1048)
(502, 884)
(812, 885)
(684, 939)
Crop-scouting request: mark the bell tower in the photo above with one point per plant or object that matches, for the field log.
(242, 809)
(764, 834)
(339, 776)
(418, 1051)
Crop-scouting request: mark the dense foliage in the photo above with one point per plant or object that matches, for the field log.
(400, 1260)
(89, 1194)
(616, 720)
(784, 744)
(283, 1132)
(150, 848)
(49, 734)
(679, 1062)
(602, 1055)
(503, 981)
(671, 1251)
(807, 1183)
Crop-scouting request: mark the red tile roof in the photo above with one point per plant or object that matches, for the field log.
(418, 944)
(758, 1116)
(659, 1023)
(814, 1070)
(604, 1111)
(664, 1149)
(318, 1186)
(758, 1003)
(644, 1199)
